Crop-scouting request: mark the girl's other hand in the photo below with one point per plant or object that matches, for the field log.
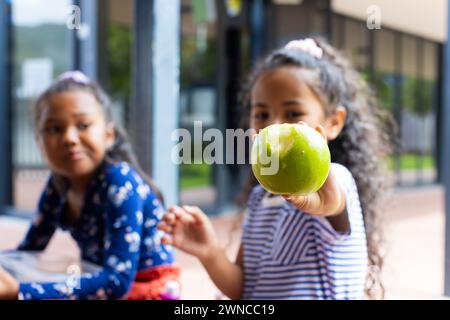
(190, 230)
(9, 287)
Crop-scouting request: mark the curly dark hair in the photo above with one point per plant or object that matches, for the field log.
(121, 150)
(362, 146)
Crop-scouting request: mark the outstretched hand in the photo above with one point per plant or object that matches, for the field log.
(190, 230)
(329, 200)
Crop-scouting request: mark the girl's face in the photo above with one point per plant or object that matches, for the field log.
(73, 134)
(282, 96)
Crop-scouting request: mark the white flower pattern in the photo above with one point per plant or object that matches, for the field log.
(134, 240)
(120, 194)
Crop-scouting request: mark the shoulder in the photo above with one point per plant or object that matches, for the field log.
(347, 182)
(353, 207)
(120, 179)
(344, 177)
(118, 171)
(121, 173)
(341, 170)
(50, 189)
(50, 196)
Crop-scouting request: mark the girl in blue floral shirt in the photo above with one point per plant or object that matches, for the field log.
(98, 193)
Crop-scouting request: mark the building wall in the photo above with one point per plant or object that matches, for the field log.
(202, 54)
(427, 19)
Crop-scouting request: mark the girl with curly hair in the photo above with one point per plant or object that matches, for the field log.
(324, 245)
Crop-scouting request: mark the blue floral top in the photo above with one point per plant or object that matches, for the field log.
(116, 229)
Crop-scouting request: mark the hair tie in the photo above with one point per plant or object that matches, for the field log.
(307, 45)
(76, 76)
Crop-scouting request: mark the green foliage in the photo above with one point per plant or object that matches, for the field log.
(195, 175)
(196, 66)
(385, 91)
(120, 42)
(414, 89)
(410, 162)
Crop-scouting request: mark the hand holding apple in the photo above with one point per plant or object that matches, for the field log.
(305, 177)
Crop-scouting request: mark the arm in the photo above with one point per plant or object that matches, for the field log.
(191, 231)
(226, 275)
(120, 259)
(328, 202)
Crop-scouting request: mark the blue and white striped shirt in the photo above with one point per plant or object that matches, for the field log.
(289, 254)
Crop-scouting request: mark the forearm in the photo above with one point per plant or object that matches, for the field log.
(103, 285)
(43, 291)
(338, 217)
(226, 275)
(328, 202)
(340, 222)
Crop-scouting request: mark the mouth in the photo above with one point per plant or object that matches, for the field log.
(74, 155)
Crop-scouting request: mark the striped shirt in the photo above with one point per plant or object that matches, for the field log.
(289, 254)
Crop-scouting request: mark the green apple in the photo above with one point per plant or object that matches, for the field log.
(291, 159)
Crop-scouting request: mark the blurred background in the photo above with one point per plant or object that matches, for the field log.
(168, 63)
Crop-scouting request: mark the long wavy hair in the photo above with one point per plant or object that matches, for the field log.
(362, 146)
(121, 149)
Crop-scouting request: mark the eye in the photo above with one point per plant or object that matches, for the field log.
(261, 116)
(52, 129)
(83, 125)
(294, 114)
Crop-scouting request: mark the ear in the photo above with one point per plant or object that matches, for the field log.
(110, 135)
(335, 122)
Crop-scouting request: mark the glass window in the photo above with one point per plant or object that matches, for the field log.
(198, 95)
(410, 130)
(386, 83)
(429, 92)
(294, 21)
(115, 73)
(337, 31)
(42, 50)
(356, 45)
(384, 55)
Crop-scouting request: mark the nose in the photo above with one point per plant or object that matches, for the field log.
(277, 120)
(70, 136)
